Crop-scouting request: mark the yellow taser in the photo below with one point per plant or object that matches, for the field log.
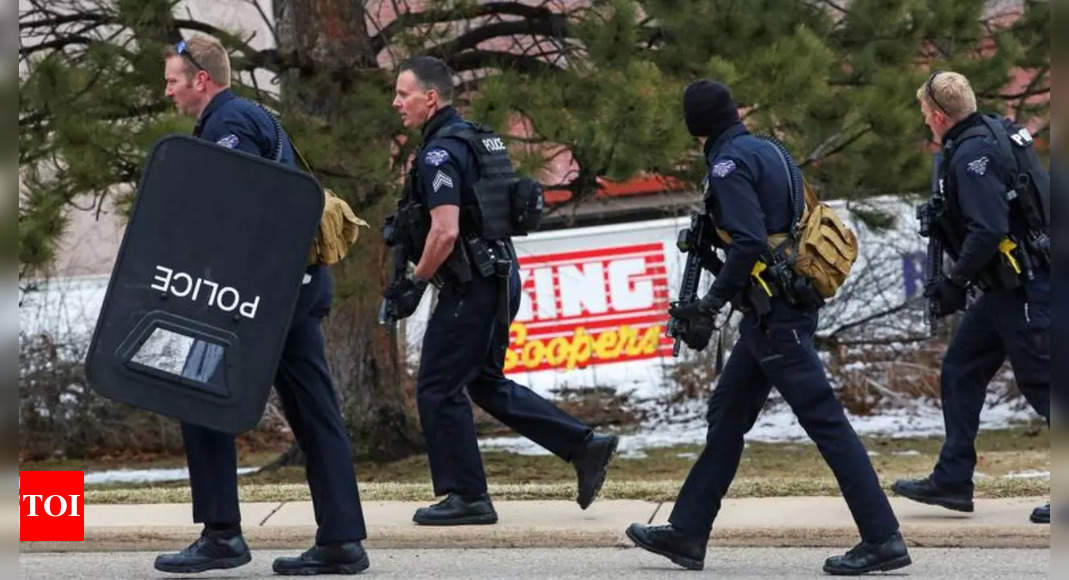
(1006, 247)
(758, 268)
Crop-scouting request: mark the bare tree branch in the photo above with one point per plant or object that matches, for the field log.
(267, 21)
(825, 149)
(480, 59)
(406, 20)
(554, 25)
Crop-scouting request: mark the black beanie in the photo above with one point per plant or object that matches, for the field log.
(708, 108)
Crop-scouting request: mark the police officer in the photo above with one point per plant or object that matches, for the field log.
(986, 236)
(467, 335)
(749, 198)
(197, 74)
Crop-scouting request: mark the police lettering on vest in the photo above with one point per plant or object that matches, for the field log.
(507, 204)
(493, 144)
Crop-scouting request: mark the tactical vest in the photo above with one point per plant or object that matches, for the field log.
(1027, 187)
(506, 204)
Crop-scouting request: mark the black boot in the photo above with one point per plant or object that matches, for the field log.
(209, 552)
(1041, 515)
(957, 498)
(347, 558)
(671, 543)
(591, 462)
(456, 510)
(890, 554)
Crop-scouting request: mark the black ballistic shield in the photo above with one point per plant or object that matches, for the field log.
(205, 284)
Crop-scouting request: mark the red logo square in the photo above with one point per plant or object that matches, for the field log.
(51, 506)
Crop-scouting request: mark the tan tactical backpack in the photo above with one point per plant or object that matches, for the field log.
(824, 248)
(820, 247)
(338, 230)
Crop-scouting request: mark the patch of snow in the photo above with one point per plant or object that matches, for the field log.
(633, 454)
(686, 425)
(145, 475)
(1028, 474)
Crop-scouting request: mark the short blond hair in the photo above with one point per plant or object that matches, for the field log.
(949, 92)
(207, 54)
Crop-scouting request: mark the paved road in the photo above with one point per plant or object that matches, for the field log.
(586, 564)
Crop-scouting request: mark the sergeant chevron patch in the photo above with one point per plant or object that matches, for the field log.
(441, 180)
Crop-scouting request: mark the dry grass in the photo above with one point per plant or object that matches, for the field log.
(659, 490)
(767, 469)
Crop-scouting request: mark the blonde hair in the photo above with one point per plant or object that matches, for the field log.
(207, 54)
(950, 93)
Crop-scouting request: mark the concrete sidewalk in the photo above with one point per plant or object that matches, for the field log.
(758, 522)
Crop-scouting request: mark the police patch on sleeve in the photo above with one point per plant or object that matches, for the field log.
(977, 166)
(723, 168)
(441, 180)
(229, 141)
(436, 157)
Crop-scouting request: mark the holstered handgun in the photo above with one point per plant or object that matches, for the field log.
(480, 256)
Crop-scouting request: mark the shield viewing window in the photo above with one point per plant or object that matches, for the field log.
(184, 352)
(183, 356)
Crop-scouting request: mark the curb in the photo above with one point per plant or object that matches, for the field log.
(300, 537)
(743, 522)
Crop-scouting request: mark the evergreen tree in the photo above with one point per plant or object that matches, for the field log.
(599, 81)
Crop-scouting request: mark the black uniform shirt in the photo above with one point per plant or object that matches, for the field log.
(237, 123)
(975, 183)
(445, 167)
(749, 197)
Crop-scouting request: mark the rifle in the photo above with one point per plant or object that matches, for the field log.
(390, 235)
(929, 215)
(694, 241)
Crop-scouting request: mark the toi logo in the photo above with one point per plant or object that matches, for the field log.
(51, 506)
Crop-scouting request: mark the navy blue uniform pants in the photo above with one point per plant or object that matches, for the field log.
(311, 407)
(464, 349)
(780, 352)
(1001, 323)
